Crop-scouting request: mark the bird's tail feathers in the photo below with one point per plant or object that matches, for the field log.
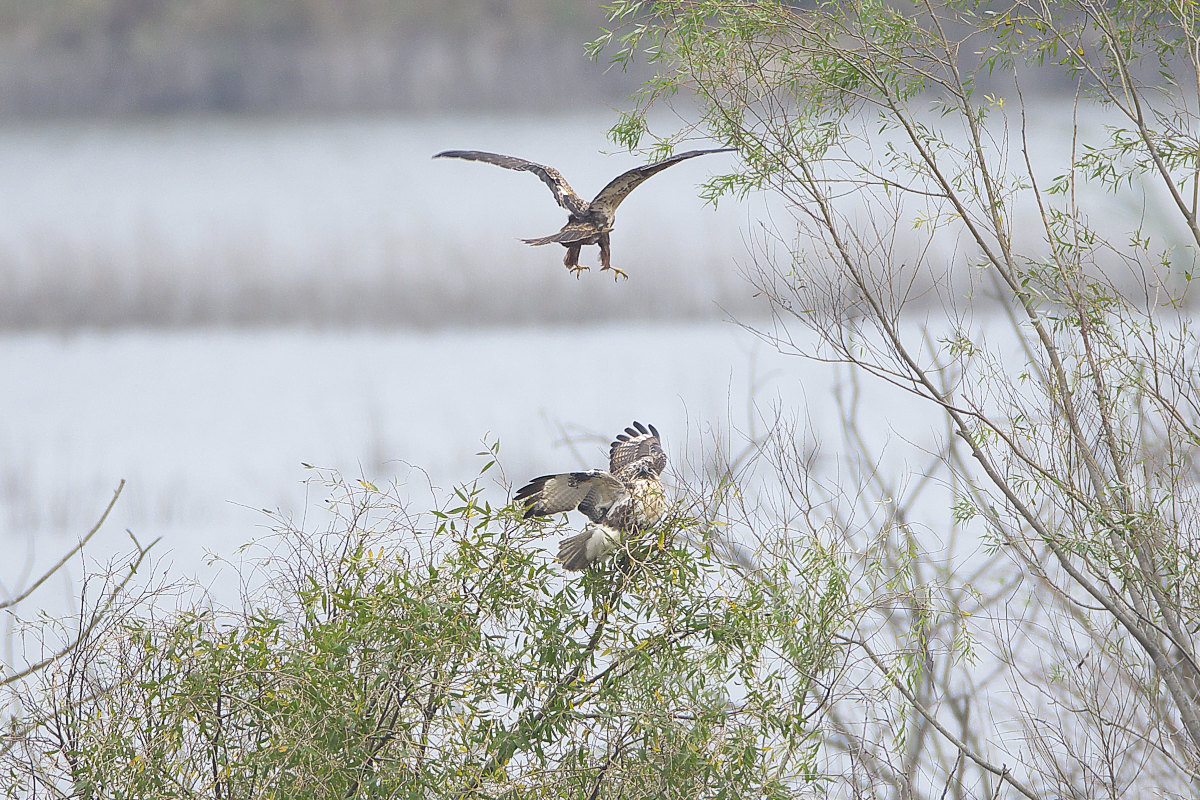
(551, 239)
(584, 549)
(572, 233)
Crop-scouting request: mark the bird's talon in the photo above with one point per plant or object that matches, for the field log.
(617, 273)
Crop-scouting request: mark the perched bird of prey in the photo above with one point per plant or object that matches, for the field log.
(588, 223)
(625, 500)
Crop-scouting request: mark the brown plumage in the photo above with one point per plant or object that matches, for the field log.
(627, 499)
(588, 223)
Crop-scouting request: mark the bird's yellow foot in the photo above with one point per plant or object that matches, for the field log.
(578, 269)
(617, 273)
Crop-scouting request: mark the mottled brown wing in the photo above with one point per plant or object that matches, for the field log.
(593, 492)
(564, 195)
(619, 187)
(638, 445)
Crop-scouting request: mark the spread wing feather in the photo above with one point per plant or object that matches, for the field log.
(636, 445)
(564, 195)
(619, 187)
(593, 492)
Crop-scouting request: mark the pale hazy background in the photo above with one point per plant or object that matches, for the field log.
(225, 251)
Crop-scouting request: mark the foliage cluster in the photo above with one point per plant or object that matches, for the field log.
(443, 654)
(908, 140)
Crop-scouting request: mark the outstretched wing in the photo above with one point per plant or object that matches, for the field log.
(619, 187)
(564, 195)
(593, 492)
(637, 446)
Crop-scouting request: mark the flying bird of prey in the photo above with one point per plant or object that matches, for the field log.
(588, 223)
(625, 500)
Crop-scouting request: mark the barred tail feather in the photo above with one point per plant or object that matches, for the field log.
(582, 550)
(542, 240)
(571, 233)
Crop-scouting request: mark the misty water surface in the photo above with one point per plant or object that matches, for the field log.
(385, 317)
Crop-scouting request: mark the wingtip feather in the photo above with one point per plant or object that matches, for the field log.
(529, 489)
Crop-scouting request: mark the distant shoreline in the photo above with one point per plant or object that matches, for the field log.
(515, 71)
(123, 57)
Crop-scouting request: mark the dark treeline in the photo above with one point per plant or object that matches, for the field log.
(305, 56)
